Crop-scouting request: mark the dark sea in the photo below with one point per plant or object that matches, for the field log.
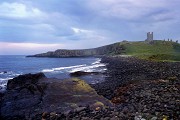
(14, 65)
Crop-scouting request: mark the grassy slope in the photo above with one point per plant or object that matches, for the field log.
(159, 50)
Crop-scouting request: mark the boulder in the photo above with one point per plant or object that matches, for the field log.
(24, 94)
(82, 73)
(22, 80)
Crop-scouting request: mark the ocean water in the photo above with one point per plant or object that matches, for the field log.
(12, 66)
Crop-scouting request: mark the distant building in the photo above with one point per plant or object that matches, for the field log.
(149, 36)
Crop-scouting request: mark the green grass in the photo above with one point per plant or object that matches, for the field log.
(158, 50)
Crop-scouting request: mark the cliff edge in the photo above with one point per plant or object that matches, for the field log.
(115, 48)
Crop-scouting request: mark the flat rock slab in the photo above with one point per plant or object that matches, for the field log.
(69, 94)
(48, 95)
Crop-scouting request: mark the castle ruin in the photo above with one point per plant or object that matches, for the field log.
(149, 36)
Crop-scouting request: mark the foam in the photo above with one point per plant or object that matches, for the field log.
(3, 79)
(6, 72)
(5, 76)
(97, 61)
(87, 68)
(3, 83)
(47, 70)
(76, 66)
(90, 68)
(62, 68)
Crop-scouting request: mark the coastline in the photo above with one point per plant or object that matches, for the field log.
(137, 88)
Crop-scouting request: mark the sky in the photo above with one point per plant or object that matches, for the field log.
(35, 26)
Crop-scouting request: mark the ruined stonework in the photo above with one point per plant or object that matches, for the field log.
(149, 36)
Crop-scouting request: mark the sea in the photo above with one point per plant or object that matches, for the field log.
(14, 65)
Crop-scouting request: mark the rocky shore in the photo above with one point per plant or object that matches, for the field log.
(134, 89)
(142, 89)
(122, 70)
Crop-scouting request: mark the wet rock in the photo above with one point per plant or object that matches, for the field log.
(22, 80)
(114, 118)
(139, 117)
(79, 109)
(154, 118)
(107, 118)
(82, 73)
(45, 115)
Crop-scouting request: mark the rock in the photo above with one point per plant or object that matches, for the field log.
(107, 118)
(53, 116)
(139, 117)
(67, 112)
(82, 73)
(114, 118)
(154, 118)
(22, 80)
(44, 115)
(125, 110)
(97, 106)
(79, 109)
(86, 118)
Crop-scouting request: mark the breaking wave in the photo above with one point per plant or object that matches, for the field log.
(94, 67)
(61, 69)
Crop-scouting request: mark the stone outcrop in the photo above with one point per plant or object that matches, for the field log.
(34, 94)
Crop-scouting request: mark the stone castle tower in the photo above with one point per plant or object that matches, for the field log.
(149, 36)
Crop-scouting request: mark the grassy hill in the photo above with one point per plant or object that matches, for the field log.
(157, 50)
